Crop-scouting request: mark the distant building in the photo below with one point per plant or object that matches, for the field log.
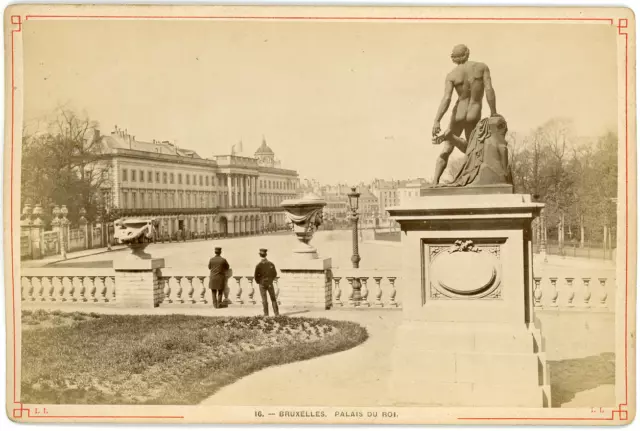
(387, 194)
(408, 190)
(228, 194)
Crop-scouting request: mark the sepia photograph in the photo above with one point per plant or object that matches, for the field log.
(320, 215)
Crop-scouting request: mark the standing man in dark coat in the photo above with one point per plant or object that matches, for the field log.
(264, 275)
(218, 267)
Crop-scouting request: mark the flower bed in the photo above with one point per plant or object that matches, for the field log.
(78, 358)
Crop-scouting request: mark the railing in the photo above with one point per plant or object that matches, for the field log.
(364, 289)
(95, 286)
(573, 292)
(351, 288)
(168, 211)
(180, 289)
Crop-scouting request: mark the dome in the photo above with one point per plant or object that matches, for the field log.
(264, 149)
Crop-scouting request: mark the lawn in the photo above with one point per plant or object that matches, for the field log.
(79, 358)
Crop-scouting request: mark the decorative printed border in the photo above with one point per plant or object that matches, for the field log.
(622, 25)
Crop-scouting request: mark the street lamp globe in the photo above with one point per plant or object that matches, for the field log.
(353, 199)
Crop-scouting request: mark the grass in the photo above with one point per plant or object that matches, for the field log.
(570, 376)
(79, 358)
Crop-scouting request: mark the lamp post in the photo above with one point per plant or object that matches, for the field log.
(353, 204)
(356, 296)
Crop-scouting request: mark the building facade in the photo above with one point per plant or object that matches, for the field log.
(227, 195)
(387, 194)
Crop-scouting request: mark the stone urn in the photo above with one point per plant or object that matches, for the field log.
(137, 250)
(304, 216)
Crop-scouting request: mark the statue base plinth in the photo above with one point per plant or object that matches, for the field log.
(469, 336)
(305, 283)
(137, 279)
(469, 190)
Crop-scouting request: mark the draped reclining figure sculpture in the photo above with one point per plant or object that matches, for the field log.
(486, 159)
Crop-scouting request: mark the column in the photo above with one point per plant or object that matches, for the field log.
(254, 191)
(247, 190)
(229, 191)
(241, 190)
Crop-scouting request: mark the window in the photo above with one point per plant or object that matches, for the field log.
(149, 177)
(125, 199)
(124, 174)
(142, 197)
(213, 181)
(164, 178)
(206, 180)
(133, 175)
(179, 178)
(134, 203)
(200, 179)
(142, 176)
(194, 180)
(171, 177)
(188, 179)
(150, 200)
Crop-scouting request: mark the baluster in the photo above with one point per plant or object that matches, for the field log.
(203, 290)
(83, 289)
(30, 289)
(554, 292)
(103, 291)
(63, 290)
(350, 298)
(191, 289)
(392, 295)
(41, 290)
(364, 291)
(51, 288)
(112, 282)
(178, 296)
(23, 282)
(572, 294)
(276, 285)
(59, 290)
(252, 290)
(72, 290)
(603, 293)
(92, 289)
(587, 292)
(167, 290)
(239, 299)
(378, 302)
(537, 293)
(337, 292)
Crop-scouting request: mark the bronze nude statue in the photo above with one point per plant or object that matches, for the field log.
(471, 80)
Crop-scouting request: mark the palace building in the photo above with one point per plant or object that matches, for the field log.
(227, 195)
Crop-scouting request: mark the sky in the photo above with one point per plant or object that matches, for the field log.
(337, 101)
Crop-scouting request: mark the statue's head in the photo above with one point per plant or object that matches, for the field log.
(460, 54)
(498, 124)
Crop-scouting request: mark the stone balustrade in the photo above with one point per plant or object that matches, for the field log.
(193, 289)
(574, 291)
(378, 289)
(94, 286)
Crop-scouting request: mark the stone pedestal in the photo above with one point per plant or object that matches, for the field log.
(468, 336)
(305, 284)
(136, 280)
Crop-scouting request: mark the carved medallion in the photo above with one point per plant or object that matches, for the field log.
(465, 271)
